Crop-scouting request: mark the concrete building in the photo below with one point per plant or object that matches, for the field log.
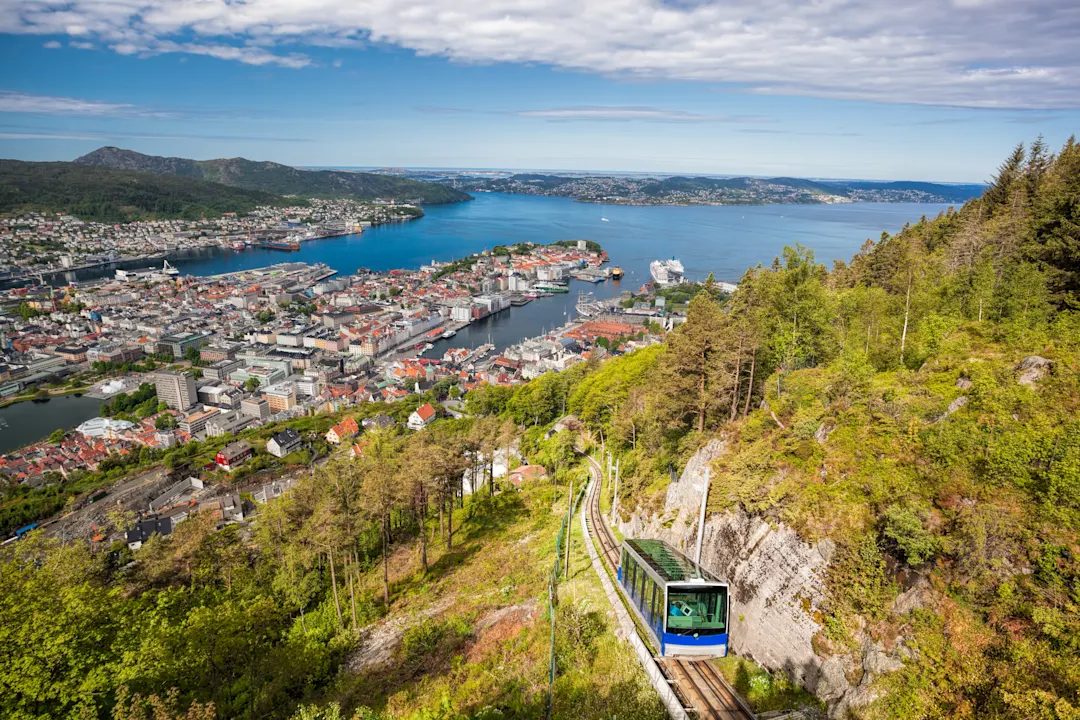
(221, 369)
(175, 389)
(178, 343)
(217, 352)
(280, 397)
(195, 423)
(266, 376)
(113, 353)
(256, 408)
(227, 423)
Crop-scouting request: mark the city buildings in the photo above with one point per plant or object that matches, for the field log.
(176, 389)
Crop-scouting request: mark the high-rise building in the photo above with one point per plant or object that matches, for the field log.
(175, 389)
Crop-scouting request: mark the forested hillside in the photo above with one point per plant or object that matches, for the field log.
(110, 195)
(918, 407)
(280, 179)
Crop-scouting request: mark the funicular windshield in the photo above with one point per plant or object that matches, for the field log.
(697, 611)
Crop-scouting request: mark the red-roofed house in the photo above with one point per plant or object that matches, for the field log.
(422, 416)
(342, 431)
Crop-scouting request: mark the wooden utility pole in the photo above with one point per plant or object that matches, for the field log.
(569, 522)
(701, 518)
(615, 493)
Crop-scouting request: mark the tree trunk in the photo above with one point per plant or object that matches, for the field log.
(907, 312)
(386, 561)
(450, 527)
(333, 581)
(423, 531)
(352, 600)
(701, 397)
(750, 385)
(738, 384)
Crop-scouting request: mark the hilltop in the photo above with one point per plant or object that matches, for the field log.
(120, 195)
(271, 177)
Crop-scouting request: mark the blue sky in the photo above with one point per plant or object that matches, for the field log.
(935, 90)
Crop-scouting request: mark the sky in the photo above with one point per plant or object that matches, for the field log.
(937, 90)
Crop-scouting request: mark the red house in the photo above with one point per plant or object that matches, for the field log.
(342, 431)
(233, 455)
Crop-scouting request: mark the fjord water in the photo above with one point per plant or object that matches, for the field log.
(724, 240)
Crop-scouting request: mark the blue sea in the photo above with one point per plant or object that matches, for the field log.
(724, 240)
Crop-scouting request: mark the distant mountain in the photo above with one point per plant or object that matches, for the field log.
(280, 179)
(110, 195)
(679, 190)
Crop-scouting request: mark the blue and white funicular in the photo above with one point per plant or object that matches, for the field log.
(684, 606)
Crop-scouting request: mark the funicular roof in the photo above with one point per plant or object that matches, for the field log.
(669, 563)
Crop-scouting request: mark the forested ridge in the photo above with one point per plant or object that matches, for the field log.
(917, 406)
(110, 195)
(279, 179)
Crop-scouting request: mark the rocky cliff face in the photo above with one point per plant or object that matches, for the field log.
(777, 583)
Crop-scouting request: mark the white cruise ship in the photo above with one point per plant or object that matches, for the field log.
(667, 272)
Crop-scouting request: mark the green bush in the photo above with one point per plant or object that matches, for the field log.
(905, 530)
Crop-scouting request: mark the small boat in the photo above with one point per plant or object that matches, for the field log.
(449, 334)
(604, 220)
(616, 273)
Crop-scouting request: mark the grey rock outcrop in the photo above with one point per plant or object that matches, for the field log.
(953, 407)
(777, 585)
(825, 429)
(776, 578)
(1032, 369)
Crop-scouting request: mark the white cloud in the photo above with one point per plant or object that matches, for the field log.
(973, 53)
(632, 113)
(52, 45)
(107, 136)
(42, 136)
(16, 102)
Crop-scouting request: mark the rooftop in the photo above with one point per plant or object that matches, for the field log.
(668, 562)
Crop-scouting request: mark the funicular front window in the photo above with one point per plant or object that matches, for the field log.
(697, 611)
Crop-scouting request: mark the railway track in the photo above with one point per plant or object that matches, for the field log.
(699, 685)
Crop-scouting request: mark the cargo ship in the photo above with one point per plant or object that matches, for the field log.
(280, 245)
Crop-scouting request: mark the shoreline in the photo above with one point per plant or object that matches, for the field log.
(12, 282)
(9, 401)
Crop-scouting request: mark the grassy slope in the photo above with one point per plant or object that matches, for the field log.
(957, 497)
(458, 648)
(108, 195)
